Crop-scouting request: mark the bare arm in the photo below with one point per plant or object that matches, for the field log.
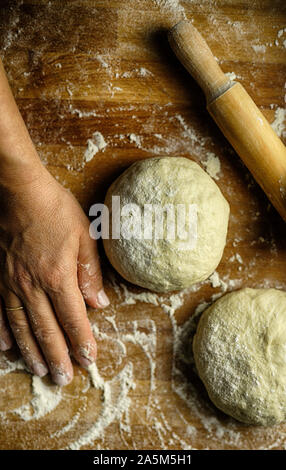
(17, 152)
(49, 264)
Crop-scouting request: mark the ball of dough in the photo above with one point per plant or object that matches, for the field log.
(162, 265)
(240, 355)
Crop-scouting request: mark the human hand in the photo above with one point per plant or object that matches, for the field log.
(49, 266)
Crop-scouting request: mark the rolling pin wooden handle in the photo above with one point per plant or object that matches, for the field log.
(236, 114)
(194, 53)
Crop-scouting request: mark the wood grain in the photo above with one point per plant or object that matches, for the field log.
(102, 47)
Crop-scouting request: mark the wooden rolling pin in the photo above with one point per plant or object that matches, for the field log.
(235, 113)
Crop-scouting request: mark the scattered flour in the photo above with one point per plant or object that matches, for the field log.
(216, 281)
(137, 72)
(281, 32)
(115, 404)
(45, 399)
(188, 131)
(236, 257)
(96, 380)
(212, 165)
(71, 424)
(280, 35)
(143, 72)
(259, 48)
(94, 145)
(11, 366)
(231, 75)
(135, 139)
(82, 114)
(279, 122)
(169, 305)
(103, 61)
(171, 6)
(131, 298)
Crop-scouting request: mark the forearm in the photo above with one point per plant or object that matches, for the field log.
(19, 162)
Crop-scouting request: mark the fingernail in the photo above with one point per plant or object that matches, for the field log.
(40, 369)
(61, 379)
(4, 346)
(102, 299)
(87, 354)
(86, 362)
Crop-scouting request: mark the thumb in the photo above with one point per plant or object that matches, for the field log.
(89, 274)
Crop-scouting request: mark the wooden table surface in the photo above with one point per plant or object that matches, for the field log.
(81, 66)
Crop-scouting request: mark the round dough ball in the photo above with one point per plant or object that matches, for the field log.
(161, 264)
(240, 355)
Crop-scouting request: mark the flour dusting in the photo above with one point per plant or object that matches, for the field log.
(94, 145)
(171, 6)
(259, 48)
(114, 405)
(279, 122)
(232, 76)
(45, 399)
(212, 165)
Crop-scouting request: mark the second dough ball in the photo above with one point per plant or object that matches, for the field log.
(240, 350)
(165, 264)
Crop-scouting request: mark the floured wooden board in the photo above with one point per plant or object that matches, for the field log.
(85, 66)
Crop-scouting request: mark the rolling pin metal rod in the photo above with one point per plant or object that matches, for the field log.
(235, 113)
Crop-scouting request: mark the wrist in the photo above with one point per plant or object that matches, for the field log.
(24, 192)
(18, 173)
(19, 161)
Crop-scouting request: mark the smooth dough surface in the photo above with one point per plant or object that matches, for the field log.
(161, 265)
(240, 355)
